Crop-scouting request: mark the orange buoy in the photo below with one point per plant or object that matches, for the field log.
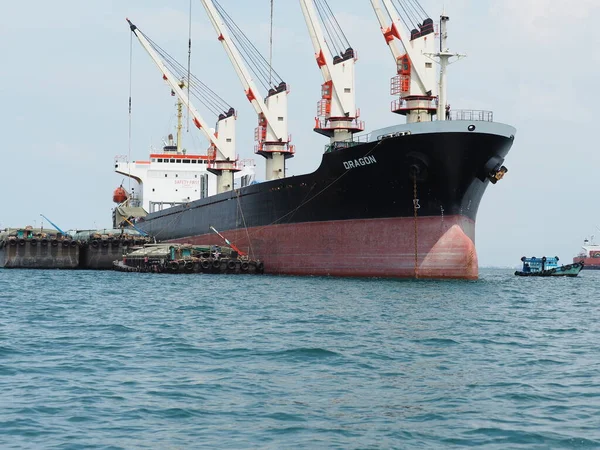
(119, 195)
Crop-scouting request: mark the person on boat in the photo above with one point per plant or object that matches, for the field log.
(447, 112)
(526, 268)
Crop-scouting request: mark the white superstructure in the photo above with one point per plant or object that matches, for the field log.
(167, 179)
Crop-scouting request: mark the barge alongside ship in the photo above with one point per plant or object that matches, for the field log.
(398, 202)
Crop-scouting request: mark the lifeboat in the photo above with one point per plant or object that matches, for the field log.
(119, 195)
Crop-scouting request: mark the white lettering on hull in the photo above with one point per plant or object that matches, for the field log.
(364, 161)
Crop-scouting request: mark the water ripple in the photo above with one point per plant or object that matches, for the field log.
(117, 361)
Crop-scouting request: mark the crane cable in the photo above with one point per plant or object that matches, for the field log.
(189, 64)
(130, 89)
(271, 48)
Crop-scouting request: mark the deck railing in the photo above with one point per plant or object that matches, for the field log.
(472, 115)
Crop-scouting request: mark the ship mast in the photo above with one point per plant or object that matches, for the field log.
(179, 119)
(444, 56)
(273, 142)
(222, 157)
(415, 82)
(337, 116)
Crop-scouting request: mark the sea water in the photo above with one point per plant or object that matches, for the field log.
(149, 361)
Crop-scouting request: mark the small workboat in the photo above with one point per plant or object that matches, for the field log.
(547, 267)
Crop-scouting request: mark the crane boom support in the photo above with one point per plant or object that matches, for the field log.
(396, 31)
(175, 86)
(277, 129)
(345, 103)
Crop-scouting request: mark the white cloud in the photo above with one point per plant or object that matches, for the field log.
(541, 20)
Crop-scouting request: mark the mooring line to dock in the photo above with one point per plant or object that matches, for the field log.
(237, 194)
(303, 203)
(176, 216)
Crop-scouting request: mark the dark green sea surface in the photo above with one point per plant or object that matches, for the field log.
(146, 361)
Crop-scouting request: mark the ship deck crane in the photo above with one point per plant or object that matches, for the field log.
(337, 116)
(273, 141)
(415, 82)
(223, 161)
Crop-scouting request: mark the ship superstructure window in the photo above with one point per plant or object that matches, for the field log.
(153, 160)
(176, 176)
(165, 175)
(159, 159)
(193, 161)
(172, 160)
(186, 161)
(428, 65)
(178, 161)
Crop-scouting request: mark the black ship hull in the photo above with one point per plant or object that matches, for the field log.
(401, 205)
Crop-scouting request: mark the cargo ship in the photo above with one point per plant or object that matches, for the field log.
(589, 255)
(398, 202)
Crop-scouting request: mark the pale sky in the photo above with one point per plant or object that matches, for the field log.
(64, 87)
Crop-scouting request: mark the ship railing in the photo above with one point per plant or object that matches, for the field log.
(472, 115)
(354, 140)
(121, 159)
(350, 124)
(425, 103)
(247, 162)
(159, 206)
(340, 145)
(224, 165)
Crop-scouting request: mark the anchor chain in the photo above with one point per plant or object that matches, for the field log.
(416, 207)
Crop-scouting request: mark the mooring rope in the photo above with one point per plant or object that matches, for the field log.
(130, 88)
(189, 61)
(237, 194)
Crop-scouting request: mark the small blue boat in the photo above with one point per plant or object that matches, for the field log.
(547, 267)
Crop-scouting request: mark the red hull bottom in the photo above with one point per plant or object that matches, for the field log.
(361, 248)
(588, 263)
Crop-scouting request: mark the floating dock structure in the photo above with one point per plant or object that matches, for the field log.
(186, 258)
(100, 248)
(115, 249)
(37, 248)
